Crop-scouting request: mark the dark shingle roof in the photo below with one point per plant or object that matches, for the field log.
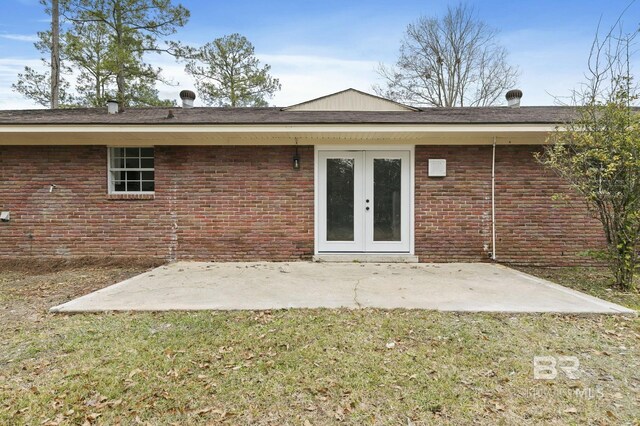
(275, 115)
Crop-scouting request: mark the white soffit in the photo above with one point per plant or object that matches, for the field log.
(161, 135)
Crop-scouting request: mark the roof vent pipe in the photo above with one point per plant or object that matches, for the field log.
(513, 98)
(112, 106)
(187, 97)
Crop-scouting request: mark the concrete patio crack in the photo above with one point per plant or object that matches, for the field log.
(355, 294)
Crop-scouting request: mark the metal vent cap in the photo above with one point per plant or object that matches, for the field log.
(187, 94)
(514, 94)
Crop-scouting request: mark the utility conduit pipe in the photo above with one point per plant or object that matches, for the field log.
(493, 201)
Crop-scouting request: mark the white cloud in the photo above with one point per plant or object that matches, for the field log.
(20, 37)
(550, 64)
(9, 69)
(174, 73)
(303, 77)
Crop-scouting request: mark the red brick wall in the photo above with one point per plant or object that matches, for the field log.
(218, 203)
(237, 203)
(532, 227)
(247, 203)
(453, 214)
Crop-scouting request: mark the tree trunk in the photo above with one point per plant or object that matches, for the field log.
(98, 89)
(121, 88)
(624, 265)
(120, 77)
(232, 91)
(55, 54)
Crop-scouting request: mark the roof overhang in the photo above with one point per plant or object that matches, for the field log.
(432, 134)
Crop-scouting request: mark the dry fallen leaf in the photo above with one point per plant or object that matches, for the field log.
(91, 418)
(134, 372)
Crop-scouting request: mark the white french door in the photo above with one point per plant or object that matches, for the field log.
(364, 201)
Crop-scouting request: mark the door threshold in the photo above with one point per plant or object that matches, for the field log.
(366, 258)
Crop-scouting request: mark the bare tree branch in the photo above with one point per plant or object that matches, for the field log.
(452, 61)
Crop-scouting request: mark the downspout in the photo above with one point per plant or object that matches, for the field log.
(493, 201)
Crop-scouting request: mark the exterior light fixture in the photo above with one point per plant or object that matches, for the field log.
(296, 159)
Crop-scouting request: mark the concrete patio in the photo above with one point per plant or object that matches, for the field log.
(472, 287)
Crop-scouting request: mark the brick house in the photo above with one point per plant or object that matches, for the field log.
(345, 176)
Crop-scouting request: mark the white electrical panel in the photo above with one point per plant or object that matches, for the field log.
(437, 168)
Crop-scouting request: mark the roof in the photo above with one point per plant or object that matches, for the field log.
(350, 100)
(278, 116)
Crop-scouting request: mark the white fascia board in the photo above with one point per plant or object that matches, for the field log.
(290, 128)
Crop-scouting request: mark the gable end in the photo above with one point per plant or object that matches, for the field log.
(350, 100)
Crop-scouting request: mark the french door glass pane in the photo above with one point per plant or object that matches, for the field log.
(340, 198)
(386, 198)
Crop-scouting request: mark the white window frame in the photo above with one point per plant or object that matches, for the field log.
(110, 169)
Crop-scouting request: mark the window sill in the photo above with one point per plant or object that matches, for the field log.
(131, 196)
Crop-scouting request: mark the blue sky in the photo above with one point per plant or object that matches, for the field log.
(318, 47)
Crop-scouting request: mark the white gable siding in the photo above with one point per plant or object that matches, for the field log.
(349, 100)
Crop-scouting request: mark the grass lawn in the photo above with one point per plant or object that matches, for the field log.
(592, 281)
(303, 367)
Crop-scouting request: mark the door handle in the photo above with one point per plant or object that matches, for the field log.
(367, 201)
(367, 208)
